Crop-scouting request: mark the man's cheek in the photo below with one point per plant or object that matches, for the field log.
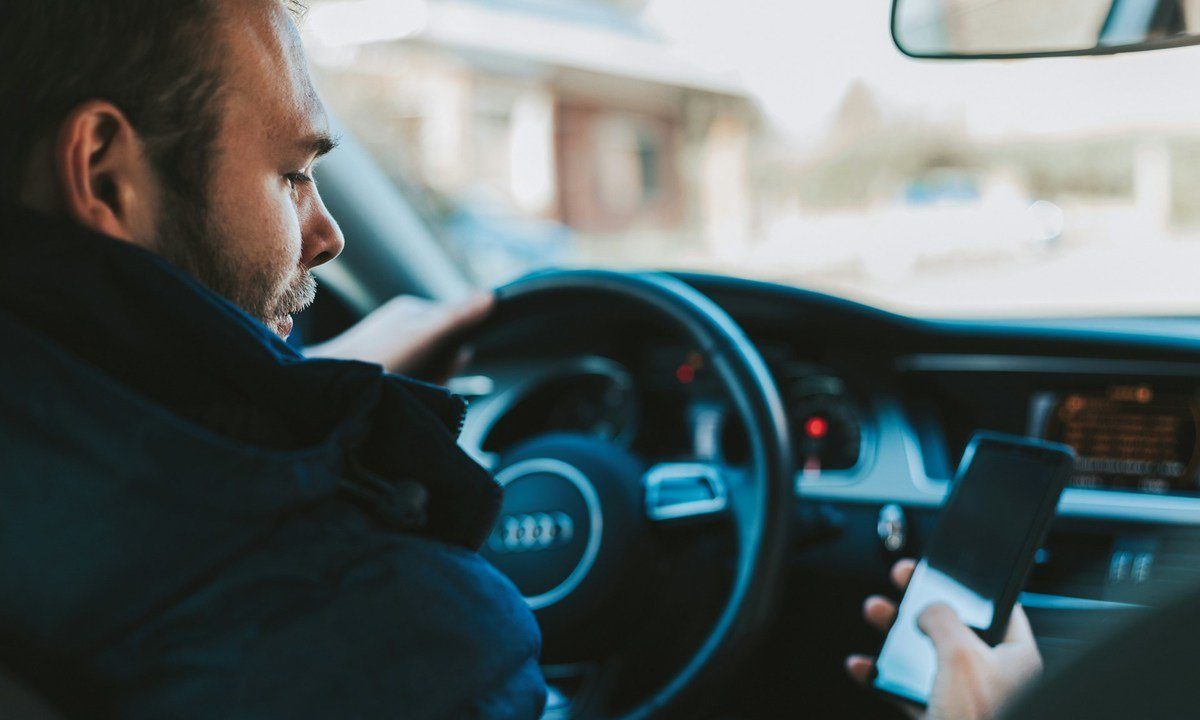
(293, 239)
(248, 207)
(279, 229)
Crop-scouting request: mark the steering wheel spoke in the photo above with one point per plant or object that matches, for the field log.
(685, 491)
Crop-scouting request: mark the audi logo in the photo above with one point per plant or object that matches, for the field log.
(531, 532)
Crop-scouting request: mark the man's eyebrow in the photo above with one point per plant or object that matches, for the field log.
(322, 145)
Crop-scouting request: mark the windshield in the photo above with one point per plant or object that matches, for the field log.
(784, 141)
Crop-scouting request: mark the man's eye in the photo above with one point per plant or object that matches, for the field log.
(299, 178)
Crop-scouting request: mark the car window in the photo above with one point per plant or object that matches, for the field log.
(787, 141)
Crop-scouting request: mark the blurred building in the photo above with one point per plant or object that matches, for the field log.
(562, 111)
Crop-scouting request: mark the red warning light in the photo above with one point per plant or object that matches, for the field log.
(685, 374)
(816, 427)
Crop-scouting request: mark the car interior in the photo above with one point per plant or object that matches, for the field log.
(764, 451)
(709, 467)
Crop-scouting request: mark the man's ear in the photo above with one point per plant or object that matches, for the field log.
(105, 179)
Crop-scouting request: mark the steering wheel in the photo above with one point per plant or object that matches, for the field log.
(577, 510)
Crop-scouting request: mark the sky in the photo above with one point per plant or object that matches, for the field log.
(800, 56)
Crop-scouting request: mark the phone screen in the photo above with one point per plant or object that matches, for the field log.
(996, 514)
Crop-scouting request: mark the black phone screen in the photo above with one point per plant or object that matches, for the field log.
(979, 555)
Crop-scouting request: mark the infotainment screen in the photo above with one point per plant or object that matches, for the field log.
(1128, 437)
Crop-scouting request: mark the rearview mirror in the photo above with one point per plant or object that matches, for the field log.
(1041, 28)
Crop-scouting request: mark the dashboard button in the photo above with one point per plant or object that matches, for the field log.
(1119, 567)
(1140, 569)
(892, 528)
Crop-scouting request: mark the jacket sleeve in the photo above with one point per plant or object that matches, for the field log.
(412, 629)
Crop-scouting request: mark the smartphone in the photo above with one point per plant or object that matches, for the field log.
(1000, 505)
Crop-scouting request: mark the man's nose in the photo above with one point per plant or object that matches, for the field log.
(322, 238)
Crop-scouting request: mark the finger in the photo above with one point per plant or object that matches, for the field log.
(861, 668)
(946, 630)
(432, 352)
(1019, 630)
(457, 366)
(879, 612)
(472, 311)
(912, 711)
(403, 307)
(902, 572)
(462, 360)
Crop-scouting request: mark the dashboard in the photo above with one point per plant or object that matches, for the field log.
(670, 391)
(880, 408)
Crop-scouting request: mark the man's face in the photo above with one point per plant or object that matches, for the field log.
(263, 226)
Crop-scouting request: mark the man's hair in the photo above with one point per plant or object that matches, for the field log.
(155, 60)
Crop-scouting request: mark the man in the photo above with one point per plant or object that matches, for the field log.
(194, 520)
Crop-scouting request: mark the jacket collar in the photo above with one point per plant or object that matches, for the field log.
(153, 328)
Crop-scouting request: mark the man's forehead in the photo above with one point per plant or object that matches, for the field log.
(266, 70)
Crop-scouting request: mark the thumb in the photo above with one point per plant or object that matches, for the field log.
(949, 634)
(1019, 630)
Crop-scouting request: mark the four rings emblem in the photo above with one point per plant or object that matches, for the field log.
(531, 532)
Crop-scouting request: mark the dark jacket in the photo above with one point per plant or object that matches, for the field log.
(197, 522)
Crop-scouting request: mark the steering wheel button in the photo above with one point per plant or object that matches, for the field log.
(676, 491)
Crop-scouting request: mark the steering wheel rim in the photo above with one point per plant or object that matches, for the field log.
(762, 526)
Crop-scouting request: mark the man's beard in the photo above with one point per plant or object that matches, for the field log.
(188, 238)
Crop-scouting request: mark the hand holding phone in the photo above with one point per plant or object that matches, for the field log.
(973, 679)
(998, 511)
